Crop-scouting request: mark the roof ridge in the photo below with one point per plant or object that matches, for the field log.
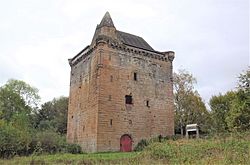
(129, 33)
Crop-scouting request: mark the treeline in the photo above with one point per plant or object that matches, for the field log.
(27, 129)
(229, 112)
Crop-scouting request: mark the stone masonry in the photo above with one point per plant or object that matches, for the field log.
(119, 85)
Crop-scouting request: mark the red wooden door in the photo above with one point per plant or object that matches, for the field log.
(125, 143)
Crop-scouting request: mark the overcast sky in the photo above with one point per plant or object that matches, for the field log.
(210, 38)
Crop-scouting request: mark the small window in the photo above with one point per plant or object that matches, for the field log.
(111, 78)
(111, 122)
(130, 122)
(135, 76)
(80, 81)
(128, 99)
(110, 97)
(80, 78)
(147, 103)
(72, 117)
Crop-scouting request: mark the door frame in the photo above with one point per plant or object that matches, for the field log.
(131, 141)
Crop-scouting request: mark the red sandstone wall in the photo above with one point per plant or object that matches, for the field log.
(137, 120)
(95, 100)
(83, 104)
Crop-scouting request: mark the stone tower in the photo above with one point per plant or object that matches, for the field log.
(121, 91)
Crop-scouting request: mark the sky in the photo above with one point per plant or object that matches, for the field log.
(210, 38)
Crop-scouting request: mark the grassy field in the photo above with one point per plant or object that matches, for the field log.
(230, 150)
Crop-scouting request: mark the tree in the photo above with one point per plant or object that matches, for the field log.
(12, 140)
(220, 106)
(17, 100)
(19, 116)
(53, 115)
(189, 107)
(231, 111)
(244, 81)
(238, 118)
(16, 96)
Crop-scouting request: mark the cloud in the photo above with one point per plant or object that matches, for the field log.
(43, 64)
(210, 38)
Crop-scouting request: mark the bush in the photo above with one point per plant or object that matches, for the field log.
(48, 142)
(51, 142)
(141, 145)
(144, 143)
(173, 137)
(12, 141)
(161, 150)
(74, 149)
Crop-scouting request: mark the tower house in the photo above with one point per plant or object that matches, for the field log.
(121, 91)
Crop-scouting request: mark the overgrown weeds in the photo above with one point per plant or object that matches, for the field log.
(231, 149)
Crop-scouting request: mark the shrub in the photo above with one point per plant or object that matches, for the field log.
(51, 142)
(74, 149)
(141, 145)
(48, 142)
(161, 150)
(12, 141)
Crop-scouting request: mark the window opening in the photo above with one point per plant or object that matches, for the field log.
(130, 122)
(128, 99)
(135, 76)
(111, 122)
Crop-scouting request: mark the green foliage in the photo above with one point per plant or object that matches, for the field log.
(231, 111)
(17, 101)
(12, 140)
(49, 142)
(52, 115)
(229, 149)
(141, 145)
(160, 151)
(189, 107)
(220, 107)
(25, 129)
(238, 118)
(244, 80)
(74, 149)
(17, 97)
(144, 143)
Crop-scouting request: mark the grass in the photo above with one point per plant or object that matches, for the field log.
(91, 158)
(217, 150)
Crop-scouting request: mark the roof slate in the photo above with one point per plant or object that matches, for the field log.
(133, 40)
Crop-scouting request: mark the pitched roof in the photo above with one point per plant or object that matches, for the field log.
(106, 21)
(126, 38)
(133, 40)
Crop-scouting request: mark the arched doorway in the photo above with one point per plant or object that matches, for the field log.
(125, 143)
